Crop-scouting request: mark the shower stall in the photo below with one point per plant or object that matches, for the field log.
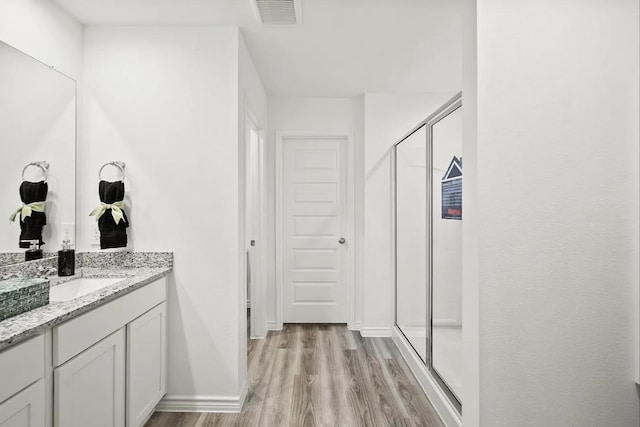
(428, 245)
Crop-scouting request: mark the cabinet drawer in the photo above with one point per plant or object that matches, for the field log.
(80, 333)
(20, 366)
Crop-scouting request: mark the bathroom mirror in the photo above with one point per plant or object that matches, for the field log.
(37, 124)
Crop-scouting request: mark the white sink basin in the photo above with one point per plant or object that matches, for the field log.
(80, 287)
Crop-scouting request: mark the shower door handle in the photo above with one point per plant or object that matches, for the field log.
(341, 240)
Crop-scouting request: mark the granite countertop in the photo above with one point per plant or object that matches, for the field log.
(34, 322)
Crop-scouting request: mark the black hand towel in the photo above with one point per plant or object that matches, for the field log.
(31, 226)
(112, 235)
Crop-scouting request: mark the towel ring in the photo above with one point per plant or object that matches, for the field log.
(39, 164)
(117, 164)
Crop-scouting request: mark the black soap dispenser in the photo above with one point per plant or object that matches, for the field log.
(66, 259)
(34, 251)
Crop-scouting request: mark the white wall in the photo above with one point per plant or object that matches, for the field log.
(165, 101)
(44, 30)
(558, 198)
(315, 114)
(388, 117)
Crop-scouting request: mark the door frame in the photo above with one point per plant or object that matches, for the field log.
(281, 136)
(258, 325)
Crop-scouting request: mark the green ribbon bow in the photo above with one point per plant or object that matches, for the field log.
(26, 210)
(116, 211)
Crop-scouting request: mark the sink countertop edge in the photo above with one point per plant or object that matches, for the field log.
(31, 323)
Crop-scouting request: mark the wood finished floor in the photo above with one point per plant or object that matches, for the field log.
(321, 375)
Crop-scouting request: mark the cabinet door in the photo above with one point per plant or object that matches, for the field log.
(25, 409)
(21, 365)
(89, 389)
(146, 364)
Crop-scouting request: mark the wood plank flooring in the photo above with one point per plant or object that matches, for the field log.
(321, 375)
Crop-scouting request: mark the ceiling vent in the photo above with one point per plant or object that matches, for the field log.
(278, 12)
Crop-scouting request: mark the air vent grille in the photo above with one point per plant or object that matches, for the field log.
(277, 12)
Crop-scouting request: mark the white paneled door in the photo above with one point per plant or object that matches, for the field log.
(314, 227)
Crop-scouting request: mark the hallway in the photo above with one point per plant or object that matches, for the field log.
(321, 375)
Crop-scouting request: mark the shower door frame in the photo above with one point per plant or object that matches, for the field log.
(447, 108)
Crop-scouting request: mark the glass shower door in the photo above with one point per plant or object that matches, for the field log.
(411, 240)
(446, 245)
(428, 196)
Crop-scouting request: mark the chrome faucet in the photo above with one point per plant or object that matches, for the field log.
(46, 271)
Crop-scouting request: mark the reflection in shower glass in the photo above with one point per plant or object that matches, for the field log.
(447, 250)
(411, 240)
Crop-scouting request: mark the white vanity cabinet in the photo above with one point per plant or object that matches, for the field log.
(110, 363)
(22, 389)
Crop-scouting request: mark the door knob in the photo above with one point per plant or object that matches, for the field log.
(341, 240)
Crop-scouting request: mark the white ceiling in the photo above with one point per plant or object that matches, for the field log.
(342, 47)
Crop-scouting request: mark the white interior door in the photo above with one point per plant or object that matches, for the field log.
(314, 223)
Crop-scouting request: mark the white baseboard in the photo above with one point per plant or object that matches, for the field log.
(355, 326)
(228, 404)
(373, 332)
(272, 325)
(436, 396)
(244, 391)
